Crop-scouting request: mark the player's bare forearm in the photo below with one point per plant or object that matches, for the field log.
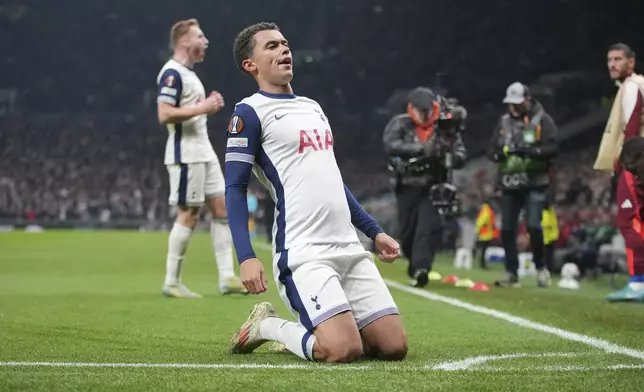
(169, 114)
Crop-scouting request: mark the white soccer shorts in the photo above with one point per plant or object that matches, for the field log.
(192, 183)
(318, 282)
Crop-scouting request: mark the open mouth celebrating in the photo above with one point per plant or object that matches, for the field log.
(287, 61)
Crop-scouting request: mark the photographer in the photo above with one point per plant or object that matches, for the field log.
(424, 145)
(524, 145)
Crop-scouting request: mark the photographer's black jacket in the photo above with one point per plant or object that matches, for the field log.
(526, 162)
(401, 141)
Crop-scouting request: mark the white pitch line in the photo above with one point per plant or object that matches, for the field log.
(194, 365)
(562, 333)
(238, 366)
(558, 368)
(468, 363)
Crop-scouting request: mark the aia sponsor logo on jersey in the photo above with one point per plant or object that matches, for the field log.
(313, 140)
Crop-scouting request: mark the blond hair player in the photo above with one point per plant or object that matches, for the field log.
(195, 174)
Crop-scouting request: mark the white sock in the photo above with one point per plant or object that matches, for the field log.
(222, 243)
(294, 336)
(177, 245)
(637, 285)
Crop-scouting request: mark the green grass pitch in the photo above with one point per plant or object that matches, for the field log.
(73, 302)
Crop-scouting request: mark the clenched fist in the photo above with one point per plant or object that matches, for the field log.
(388, 247)
(213, 104)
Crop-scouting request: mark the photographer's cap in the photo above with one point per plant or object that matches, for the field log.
(516, 93)
(421, 98)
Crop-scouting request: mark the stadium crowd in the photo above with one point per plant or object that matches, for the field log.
(98, 168)
(91, 168)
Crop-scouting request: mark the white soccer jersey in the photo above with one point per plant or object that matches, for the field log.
(188, 141)
(289, 143)
(321, 269)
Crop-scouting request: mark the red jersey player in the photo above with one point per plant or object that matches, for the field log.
(630, 198)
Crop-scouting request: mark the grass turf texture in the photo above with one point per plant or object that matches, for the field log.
(95, 297)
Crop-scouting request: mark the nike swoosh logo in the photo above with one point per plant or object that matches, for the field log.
(278, 117)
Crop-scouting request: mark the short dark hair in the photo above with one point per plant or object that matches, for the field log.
(628, 52)
(245, 42)
(632, 153)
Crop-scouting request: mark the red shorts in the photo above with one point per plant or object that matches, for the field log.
(630, 200)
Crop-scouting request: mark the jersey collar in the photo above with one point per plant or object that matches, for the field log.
(277, 96)
(182, 64)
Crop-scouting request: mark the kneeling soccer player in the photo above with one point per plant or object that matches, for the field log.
(323, 273)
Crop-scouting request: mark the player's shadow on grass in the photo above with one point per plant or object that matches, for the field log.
(267, 353)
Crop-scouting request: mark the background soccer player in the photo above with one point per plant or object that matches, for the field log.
(625, 122)
(195, 174)
(630, 198)
(323, 273)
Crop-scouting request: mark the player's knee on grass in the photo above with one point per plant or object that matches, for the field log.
(188, 216)
(337, 340)
(385, 339)
(337, 350)
(393, 349)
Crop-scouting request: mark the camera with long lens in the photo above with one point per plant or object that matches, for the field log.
(449, 122)
(451, 117)
(444, 197)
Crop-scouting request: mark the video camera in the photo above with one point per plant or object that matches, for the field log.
(448, 117)
(449, 120)
(451, 116)
(410, 167)
(444, 198)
